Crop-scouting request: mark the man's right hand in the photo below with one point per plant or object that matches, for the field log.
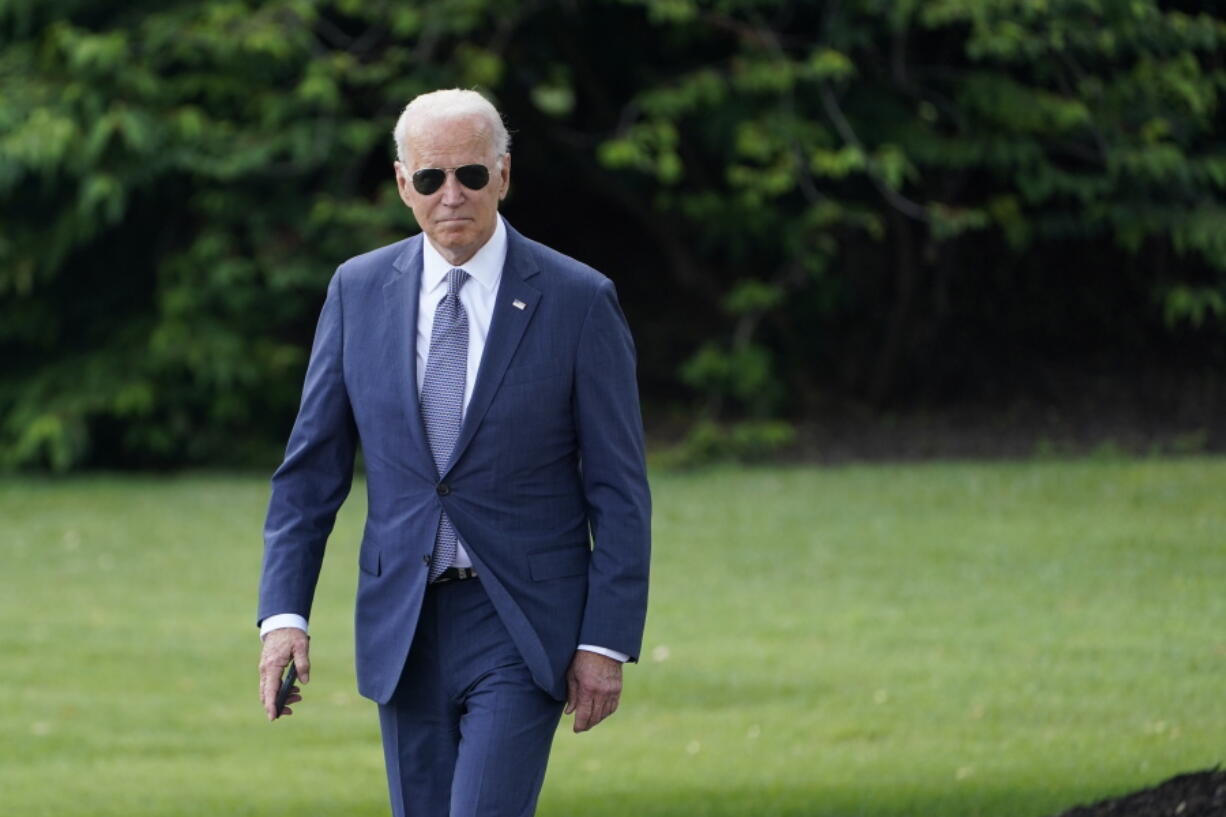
(280, 647)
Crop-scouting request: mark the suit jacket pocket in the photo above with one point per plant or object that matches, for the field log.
(369, 560)
(555, 564)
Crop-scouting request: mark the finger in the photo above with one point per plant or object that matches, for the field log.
(583, 715)
(572, 693)
(580, 710)
(268, 692)
(285, 710)
(606, 709)
(593, 714)
(272, 663)
(603, 711)
(302, 660)
(270, 676)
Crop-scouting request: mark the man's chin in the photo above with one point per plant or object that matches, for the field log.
(453, 233)
(459, 237)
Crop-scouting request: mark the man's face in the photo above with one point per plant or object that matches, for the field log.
(457, 220)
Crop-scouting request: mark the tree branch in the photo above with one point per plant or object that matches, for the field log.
(898, 201)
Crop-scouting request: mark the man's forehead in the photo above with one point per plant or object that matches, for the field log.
(450, 137)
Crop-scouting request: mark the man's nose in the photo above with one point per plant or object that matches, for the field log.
(453, 191)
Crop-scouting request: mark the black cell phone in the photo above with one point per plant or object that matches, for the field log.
(287, 683)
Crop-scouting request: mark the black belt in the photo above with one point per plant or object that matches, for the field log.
(455, 574)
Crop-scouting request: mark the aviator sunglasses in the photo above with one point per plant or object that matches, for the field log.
(429, 179)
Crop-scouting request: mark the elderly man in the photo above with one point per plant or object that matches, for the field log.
(503, 568)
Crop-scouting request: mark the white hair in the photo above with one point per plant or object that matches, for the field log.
(451, 103)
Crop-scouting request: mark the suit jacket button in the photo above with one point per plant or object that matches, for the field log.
(425, 560)
(443, 489)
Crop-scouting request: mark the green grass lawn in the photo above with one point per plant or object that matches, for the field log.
(936, 639)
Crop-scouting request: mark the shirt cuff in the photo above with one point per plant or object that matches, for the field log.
(281, 620)
(614, 654)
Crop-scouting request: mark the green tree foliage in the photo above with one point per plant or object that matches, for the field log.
(818, 185)
(904, 135)
(174, 177)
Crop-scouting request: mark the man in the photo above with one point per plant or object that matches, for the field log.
(491, 383)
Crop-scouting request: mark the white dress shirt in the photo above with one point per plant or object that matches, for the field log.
(477, 296)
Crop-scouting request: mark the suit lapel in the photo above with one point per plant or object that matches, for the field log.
(401, 295)
(513, 307)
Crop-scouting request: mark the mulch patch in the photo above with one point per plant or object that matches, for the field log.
(1198, 794)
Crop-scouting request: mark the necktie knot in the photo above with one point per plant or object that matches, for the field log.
(455, 280)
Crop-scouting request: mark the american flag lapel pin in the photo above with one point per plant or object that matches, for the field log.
(518, 304)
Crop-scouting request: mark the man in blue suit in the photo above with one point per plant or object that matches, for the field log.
(503, 569)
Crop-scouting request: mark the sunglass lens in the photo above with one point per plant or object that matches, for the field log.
(474, 177)
(429, 179)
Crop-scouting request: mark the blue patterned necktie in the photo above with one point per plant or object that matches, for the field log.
(442, 399)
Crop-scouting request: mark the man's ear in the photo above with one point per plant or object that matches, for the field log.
(505, 176)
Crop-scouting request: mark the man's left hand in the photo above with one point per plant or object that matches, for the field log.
(593, 685)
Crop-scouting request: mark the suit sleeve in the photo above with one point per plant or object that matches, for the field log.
(612, 458)
(315, 476)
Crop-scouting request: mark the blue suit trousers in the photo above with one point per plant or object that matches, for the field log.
(467, 732)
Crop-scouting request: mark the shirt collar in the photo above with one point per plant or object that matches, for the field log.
(485, 267)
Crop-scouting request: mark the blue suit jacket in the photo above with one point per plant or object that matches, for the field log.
(546, 486)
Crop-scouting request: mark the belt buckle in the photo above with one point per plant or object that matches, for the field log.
(457, 574)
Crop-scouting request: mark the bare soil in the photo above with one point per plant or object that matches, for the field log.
(1197, 794)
